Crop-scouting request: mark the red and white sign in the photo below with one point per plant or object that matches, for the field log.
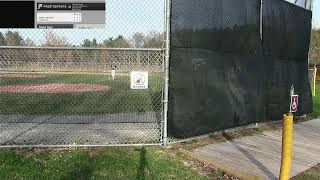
(294, 103)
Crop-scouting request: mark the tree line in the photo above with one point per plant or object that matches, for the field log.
(138, 40)
(315, 47)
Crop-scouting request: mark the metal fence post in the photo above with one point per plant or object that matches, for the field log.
(309, 4)
(167, 54)
(261, 20)
(311, 9)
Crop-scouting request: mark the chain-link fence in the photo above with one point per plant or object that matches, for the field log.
(69, 96)
(80, 59)
(74, 87)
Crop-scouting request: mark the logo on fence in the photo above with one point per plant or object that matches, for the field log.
(139, 80)
(294, 103)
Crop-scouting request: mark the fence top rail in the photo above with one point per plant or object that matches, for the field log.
(82, 48)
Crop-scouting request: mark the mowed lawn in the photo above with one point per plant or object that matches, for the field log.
(316, 102)
(120, 99)
(105, 163)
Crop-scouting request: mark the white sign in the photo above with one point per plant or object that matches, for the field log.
(139, 80)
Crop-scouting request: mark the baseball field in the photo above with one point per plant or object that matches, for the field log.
(68, 108)
(67, 93)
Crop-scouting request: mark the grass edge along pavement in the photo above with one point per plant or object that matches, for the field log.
(187, 147)
(310, 174)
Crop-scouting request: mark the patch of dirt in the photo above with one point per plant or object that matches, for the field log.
(16, 75)
(54, 88)
(227, 135)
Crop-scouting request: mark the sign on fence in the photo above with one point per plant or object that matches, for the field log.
(139, 80)
(294, 103)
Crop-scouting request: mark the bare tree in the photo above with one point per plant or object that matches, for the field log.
(138, 40)
(29, 42)
(119, 42)
(53, 40)
(154, 40)
(2, 40)
(315, 47)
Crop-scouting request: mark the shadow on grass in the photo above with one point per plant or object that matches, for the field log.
(81, 173)
(144, 168)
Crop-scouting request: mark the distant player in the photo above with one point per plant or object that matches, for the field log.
(113, 70)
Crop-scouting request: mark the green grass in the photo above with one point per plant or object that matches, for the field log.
(310, 174)
(107, 163)
(316, 102)
(118, 100)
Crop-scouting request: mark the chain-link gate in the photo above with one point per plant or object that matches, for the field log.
(73, 87)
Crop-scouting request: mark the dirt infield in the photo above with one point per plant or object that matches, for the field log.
(53, 88)
(20, 75)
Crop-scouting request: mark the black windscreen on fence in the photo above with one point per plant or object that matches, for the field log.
(286, 39)
(223, 76)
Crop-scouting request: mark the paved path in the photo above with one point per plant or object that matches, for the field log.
(260, 155)
(106, 129)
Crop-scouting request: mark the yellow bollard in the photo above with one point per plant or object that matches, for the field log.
(287, 142)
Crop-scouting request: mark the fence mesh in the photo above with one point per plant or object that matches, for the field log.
(57, 86)
(68, 96)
